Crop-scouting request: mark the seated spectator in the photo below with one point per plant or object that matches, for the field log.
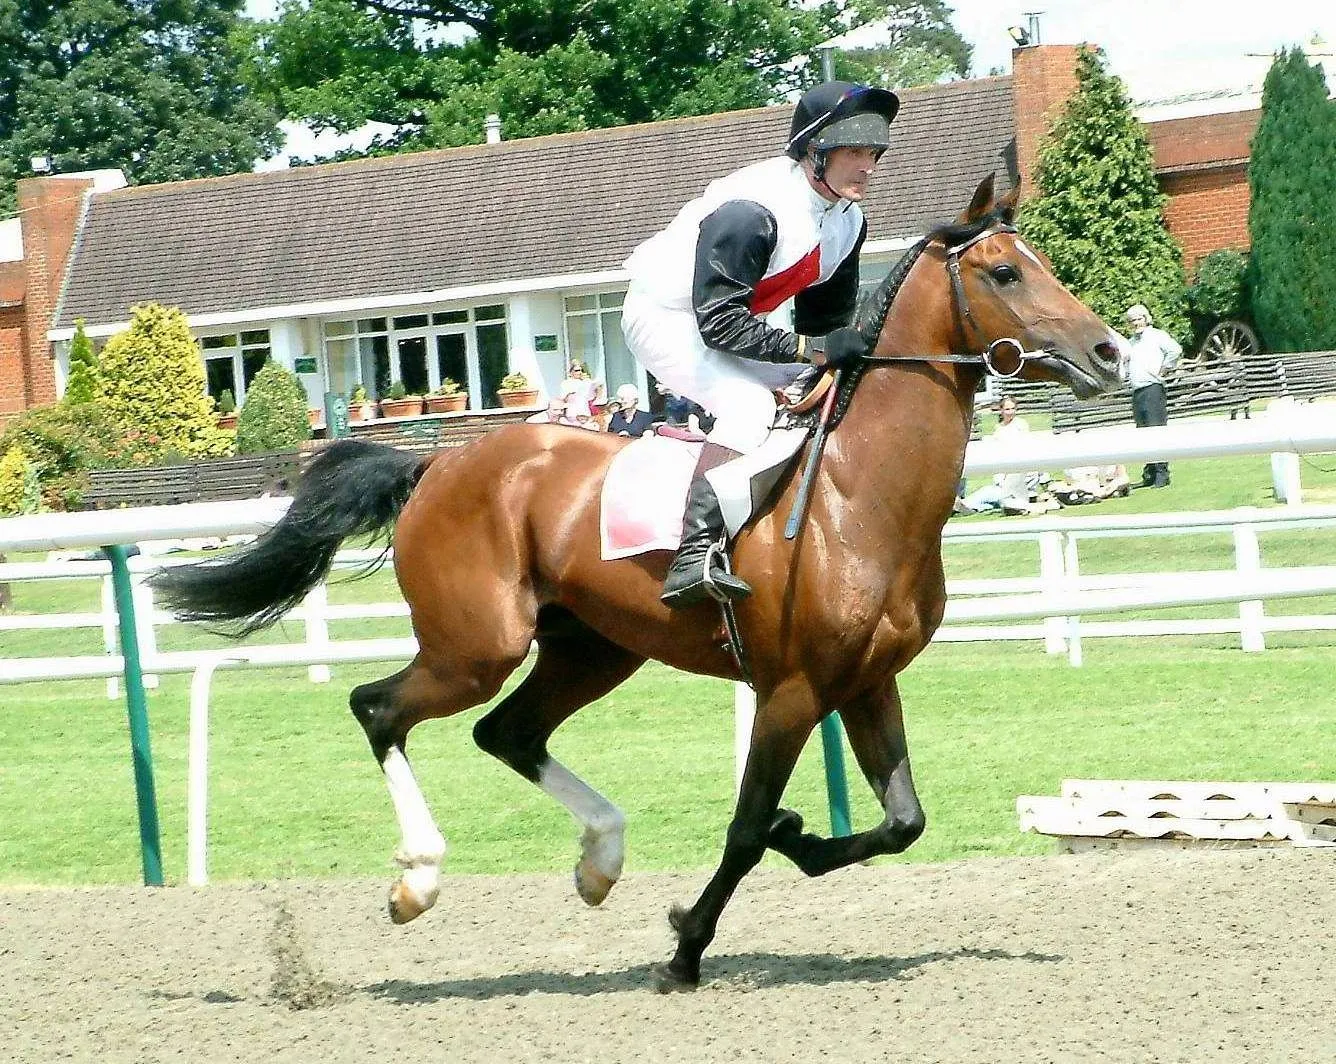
(1087, 484)
(628, 419)
(682, 413)
(1012, 493)
(555, 414)
(580, 389)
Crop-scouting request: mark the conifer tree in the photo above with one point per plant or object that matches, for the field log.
(82, 386)
(1099, 214)
(1292, 212)
(152, 386)
(273, 417)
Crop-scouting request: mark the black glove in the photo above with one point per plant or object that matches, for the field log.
(841, 346)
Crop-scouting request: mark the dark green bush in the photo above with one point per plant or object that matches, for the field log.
(273, 417)
(63, 443)
(1219, 290)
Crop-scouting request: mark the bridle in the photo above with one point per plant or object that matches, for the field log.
(989, 356)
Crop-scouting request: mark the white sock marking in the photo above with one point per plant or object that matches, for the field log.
(604, 823)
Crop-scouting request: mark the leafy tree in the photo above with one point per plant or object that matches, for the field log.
(1219, 289)
(1292, 213)
(82, 386)
(1099, 214)
(565, 65)
(19, 493)
(152, 88)
(153, 387)
(273, 417)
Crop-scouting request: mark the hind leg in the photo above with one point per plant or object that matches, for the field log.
(387, 709)
(575, 666)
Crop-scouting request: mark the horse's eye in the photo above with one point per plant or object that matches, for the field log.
(1005, 274)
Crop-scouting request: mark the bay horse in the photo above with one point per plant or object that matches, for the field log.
(496, 547)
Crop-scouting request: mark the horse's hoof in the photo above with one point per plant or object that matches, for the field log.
(404, 905)
(667, 980)
(591, 884)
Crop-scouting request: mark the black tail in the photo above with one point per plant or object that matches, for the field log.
(351, 488)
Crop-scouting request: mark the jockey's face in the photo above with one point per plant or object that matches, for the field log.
(848, 171)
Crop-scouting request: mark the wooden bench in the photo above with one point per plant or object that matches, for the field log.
(247, 477)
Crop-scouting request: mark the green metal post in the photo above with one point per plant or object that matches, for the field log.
(837, 786)
(137, 704)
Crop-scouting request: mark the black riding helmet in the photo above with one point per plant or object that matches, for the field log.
(839, 114)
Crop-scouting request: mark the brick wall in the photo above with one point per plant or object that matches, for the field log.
(13, 391)
(1207, 210)
(1201, 161)
(51, 209)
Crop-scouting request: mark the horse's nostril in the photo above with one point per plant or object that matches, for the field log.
(1107, 353)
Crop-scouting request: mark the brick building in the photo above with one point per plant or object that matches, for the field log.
(477, 261)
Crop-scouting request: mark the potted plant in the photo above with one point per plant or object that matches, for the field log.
(515, 390)
(227, 410)
(398, 403)
(360, 406)
(449, 398)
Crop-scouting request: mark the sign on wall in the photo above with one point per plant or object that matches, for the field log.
(306, 364)
(545, 342)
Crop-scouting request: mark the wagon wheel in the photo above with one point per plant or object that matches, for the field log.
(1228, 341)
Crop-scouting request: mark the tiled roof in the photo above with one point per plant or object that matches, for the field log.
(548, 206)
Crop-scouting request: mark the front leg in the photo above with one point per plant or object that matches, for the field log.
(875, 725)
(781, 729)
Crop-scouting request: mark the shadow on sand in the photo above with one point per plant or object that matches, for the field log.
(737, 971)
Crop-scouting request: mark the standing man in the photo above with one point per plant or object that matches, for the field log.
(1149, 357)
(787, 227)
(629, 421)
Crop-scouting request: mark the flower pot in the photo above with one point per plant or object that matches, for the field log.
(226, 421)
(447, 404)
(315, 417)
(407, 407)
(527, 397)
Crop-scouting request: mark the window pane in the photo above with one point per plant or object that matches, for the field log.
(338, 328)
(220, 376)
(411, 321)
(581, 303)
(612, 299)
(374, 352)
(370, 325)
(619, 365)
(582, 340)
(210, 343)
(342, 366)
(493, 359)
(450, 317)
(413, 364)
(452, 359)
(255, 336)
(252, 362)
(493, 312)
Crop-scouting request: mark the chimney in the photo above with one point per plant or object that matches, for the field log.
(1043, 78)
(493, 127)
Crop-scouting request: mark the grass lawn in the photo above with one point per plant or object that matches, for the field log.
(294, 790)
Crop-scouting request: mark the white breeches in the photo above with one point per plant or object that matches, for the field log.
(738, 392)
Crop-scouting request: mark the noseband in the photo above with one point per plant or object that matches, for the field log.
(988, 357)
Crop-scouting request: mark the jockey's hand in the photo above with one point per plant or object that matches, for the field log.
(843, 345)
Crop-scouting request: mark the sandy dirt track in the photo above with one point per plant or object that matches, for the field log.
(1208, 956)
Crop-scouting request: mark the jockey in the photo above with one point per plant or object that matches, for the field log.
(788, 227)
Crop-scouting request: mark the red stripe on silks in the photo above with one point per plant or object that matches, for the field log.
(773, 290)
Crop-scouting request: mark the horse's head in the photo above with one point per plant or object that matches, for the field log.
(1002, 288)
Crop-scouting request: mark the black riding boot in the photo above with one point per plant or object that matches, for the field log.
(702, 528)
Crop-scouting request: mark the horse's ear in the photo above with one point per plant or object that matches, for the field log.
(1006, 206)
(981, 203)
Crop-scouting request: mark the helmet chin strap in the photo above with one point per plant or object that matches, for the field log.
(819, 157)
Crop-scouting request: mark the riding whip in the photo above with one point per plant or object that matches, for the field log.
(813, 459)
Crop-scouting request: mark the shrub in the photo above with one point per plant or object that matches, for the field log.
(63, 443)
(397, 391)
(448, 386)
(152, 383)
(227, 403)
(83, 385)
(19, 490)
(513, 382)
(273, 417)
(1219, 291)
